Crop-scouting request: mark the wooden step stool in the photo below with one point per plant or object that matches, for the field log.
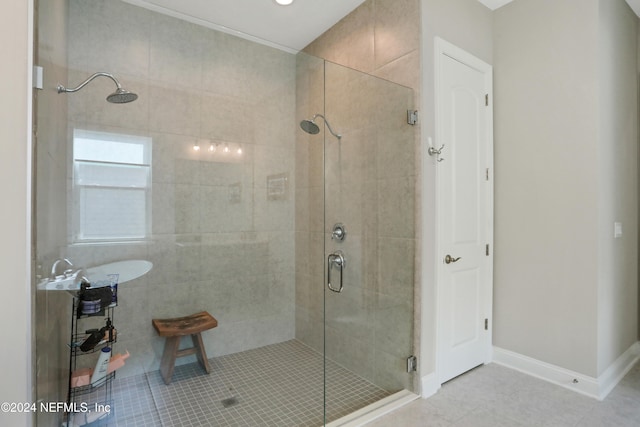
(176, 328)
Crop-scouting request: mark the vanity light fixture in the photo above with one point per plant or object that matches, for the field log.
(284, 2)
(239, 150)
(196, 146)
(226, 148)
(212, 148)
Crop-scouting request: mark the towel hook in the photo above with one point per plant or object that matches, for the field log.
(435, 152)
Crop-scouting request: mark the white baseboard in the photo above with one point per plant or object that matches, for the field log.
(429, 385)
(597, 388)
(618, 369)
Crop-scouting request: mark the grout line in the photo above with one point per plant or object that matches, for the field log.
(273, 385)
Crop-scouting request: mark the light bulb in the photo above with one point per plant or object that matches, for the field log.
(226, 148)
(239, 151)
(196, 147)
(284, 2)
(212, 148)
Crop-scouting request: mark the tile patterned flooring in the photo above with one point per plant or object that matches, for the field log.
(281, 385)
(495, 396)
(277, 385)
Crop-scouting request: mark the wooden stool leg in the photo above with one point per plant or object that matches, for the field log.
(200, 352)
(169, 355)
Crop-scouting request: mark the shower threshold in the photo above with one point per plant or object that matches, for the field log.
(375, 410)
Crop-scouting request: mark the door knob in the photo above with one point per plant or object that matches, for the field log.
(449, 259)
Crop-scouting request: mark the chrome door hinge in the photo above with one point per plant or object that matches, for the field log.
(486, 250)
(487, 174)
(486, 99)
(38, 79)
(486, 324)
(412, 364)
(412, 117)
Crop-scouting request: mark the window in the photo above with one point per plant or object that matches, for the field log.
(111, 186)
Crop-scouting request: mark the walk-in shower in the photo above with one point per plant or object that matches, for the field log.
(245, 236)
(120, 96)
(312, 128)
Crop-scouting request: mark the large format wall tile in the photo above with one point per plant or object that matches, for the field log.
(218, 243)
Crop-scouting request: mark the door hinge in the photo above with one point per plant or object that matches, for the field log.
(412, 364)
(38, 79)
(486, 324)
(487, 174)
(486, 99)
(486, 250)
(412, 117)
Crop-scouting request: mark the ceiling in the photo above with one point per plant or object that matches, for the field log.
(289, 28)
(494, 4)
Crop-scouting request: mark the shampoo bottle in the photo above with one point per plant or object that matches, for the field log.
(102, 366)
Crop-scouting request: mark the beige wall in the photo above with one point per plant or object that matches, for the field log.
(15, 29)
(566, 169)
(545, 196)
(618, 181)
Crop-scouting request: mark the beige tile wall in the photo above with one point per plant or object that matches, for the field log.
(371, 178)
(309, 209)
(237, 261)
(380, 37)
(49, 313)
(210, 251)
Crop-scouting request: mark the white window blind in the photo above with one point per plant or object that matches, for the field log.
(111, 186)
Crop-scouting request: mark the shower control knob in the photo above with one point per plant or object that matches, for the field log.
(339, 233)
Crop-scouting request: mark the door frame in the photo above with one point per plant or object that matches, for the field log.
(444, 48)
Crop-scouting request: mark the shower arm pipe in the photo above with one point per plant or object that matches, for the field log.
(86, 82)
(337, 135)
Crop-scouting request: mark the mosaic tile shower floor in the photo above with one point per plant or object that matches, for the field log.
(277, 385)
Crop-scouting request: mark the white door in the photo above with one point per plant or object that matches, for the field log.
(465, 211)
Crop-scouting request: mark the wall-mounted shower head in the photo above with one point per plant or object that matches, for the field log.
(120, 96)
(310, 127)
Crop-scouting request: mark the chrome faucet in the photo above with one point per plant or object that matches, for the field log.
(54, 267)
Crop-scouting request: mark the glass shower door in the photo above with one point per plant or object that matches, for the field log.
(369, 239)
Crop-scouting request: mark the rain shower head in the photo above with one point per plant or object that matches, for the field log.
(310, 127)
(120, 96)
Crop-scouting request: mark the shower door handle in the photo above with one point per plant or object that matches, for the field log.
(335, 259)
